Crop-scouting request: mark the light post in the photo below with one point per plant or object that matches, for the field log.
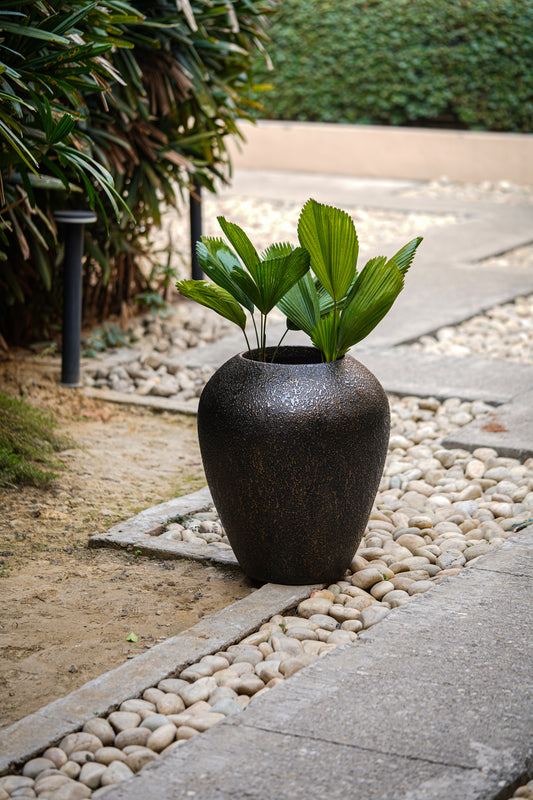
(72, 287)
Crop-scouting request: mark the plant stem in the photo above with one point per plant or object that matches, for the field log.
(278, 346)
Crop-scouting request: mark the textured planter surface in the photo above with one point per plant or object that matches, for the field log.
(293, 454)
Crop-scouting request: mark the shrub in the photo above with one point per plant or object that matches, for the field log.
(28, 442)
(451, 63)
(146, 98)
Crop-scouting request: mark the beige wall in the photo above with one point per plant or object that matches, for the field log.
(386, 152)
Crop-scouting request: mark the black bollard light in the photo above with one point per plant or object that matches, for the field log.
(72, 283)
(195, 214)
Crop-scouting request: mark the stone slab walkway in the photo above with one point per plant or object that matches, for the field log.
(433, 703)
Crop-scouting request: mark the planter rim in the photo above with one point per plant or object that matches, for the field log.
(314, 357)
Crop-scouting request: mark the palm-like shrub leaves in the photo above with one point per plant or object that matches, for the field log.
(330, 237)
(214, 297)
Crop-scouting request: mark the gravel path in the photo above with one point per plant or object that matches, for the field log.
(436, 512)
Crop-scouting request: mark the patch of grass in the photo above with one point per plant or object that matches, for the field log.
(28, 443)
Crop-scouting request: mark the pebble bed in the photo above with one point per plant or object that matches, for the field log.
(436, 511)
(504, 332)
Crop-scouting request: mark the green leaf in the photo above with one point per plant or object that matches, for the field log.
(132, 637)
(375, 291)
(301, 305)
(273, 278)
(404, 257)
(241, 243)
(217, 261)
(330, 237)
(277, 251)
(324, 337)
(214, 297)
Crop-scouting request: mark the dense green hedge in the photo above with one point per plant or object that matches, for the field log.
(451, 63)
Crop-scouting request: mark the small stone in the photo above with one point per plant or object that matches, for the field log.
(137, 706)
(314, 605)
(354, 625)
(82, 756)
(124, 720)
(10, 783)
(372, 615)
(170, 685)
(202, 722)
(475, 469)
(268, 670)
(479, 549)
(138, 736)
(292, 665)
(228, 707)
(419, 587)
(381, 589)
(101, 728)
(108, 754)
(249, 685)
(170, 704)
(49, 783)
(69, 791)
(80, 741)
(136, 761)
(341, 637)
(91, 774)
(324, 621)
(152, 695)
(154, 721)
(71, 769)
(56, 756)
(34, 767)
(343, 613)
(411, 541)
(246, 653)
(115, 772)
(367, 577)
(161, 737)
(186, 732)
(451, 558)
(200, 690)
(285, 644)
(397, 598)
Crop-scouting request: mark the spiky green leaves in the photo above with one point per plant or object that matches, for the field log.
(341, 306)
(261, 283)
(215, 297)
(329, 236)
(337, 307)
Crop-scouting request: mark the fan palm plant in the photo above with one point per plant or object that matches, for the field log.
(332, 302)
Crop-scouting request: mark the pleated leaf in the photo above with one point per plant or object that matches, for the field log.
(330, 237)
(277, 251)
(217, 261)
(241, 243)
(214, 297)
(273, 278)
(404, 257)
(324, 336)
(301, 305)
(376, 289)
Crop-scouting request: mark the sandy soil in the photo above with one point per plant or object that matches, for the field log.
(66, 611)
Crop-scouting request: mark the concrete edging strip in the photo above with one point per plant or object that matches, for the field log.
(31, 735)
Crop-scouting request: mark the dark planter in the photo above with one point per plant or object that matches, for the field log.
(293, 453)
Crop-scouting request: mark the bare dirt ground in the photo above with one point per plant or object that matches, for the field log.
(66, 611)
